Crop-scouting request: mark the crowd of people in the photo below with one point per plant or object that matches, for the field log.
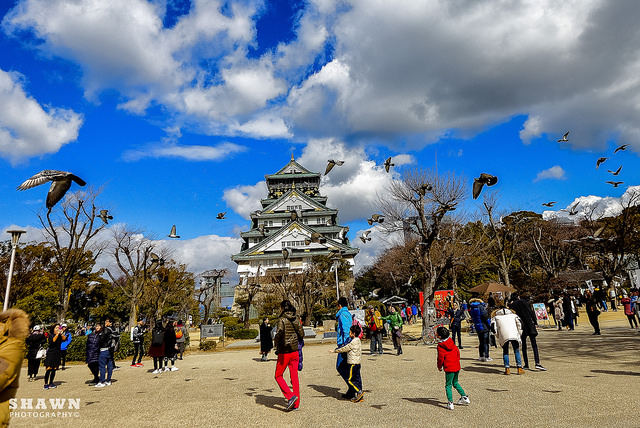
(49, 348)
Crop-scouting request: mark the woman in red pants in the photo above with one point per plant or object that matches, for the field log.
(289, 333)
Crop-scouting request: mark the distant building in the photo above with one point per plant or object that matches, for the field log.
(293, 225)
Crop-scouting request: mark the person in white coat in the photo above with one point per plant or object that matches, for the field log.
(508, 329)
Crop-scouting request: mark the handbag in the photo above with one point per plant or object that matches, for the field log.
(42, 352)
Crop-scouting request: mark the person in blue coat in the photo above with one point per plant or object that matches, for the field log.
(65, 345)
(343, 325)
(481, 323)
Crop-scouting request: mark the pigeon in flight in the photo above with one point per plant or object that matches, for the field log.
(616, 172)
(599, 162)
(365, 236)
(564, 138)
(316, 238)
(173, 232)
(388, 164)
(622, 147)
(155, 261)
(573, 210)
(60, 183)
(261, 228)
(331, 164)
(549, 204)
(104, 215)
(342, 235)
(615, 183)
(478, 183)
(221, 216)
(375, 218)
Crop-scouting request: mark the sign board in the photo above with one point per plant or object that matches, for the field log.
(540, 310)
(440, 301)
(359, 313)
(212, 330)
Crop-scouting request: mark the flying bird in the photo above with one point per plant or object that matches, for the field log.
(388, 164)
(60, 183)
(622, 147)
(375, 218)
(342, 235)
(365, 236)
(261, 228)
(564, 138)
(173, 232)
(616, 172)
(615, 183)
(316, 238)
(104, 215)
(478, 183)
(155, 261)
(331, 164)
(573, 210)
(549, 204)
(599, 162)
(221, 216)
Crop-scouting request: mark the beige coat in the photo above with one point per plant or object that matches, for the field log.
(14, 328)
(353, 350)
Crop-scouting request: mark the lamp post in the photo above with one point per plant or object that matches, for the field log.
(336, 262)
(15, 237)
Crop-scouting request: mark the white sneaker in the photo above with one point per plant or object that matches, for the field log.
(450, 405)
(100, 385)
(174, 369)
(488, 359)
(108, 383)
(166, 369)
(464, 400)
(482, 359)
(156, 371)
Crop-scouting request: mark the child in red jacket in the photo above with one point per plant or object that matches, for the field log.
(449, 360)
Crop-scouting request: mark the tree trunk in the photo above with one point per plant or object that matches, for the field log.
(133, 313)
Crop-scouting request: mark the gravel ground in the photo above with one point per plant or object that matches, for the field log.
(592, 381)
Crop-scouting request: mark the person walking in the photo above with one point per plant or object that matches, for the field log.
(35, 348)
(54, 355)
(92, 353)
(396, 328)
(266, 341)
(181, 337)
(593, 313)
(64, 346)
(105, 358)
(567, 310)
(628, 311)
(508, 329)
(456, 315)
(612, 298)
(481, 324)
(414, 313)
(156, 350)
(353, 349)
(137, 338)
(170, 347)
(522, 308)
(374, 322)
(449, 361)
(558, 312)
(289, 333)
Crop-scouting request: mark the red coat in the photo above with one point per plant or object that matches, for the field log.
(626, 303)
(448, 356)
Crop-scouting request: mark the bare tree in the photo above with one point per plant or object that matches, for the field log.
(209, 288)
(134, 257)
(417, 204)
(71, 235)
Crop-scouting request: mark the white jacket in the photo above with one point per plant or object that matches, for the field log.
(506, 326)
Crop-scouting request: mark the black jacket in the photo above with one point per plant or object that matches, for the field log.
(523, 310)
(34, 342)
(93, 348)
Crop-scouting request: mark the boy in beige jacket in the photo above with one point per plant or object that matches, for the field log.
(354, 352)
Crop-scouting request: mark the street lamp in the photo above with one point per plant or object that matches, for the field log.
(15, 237)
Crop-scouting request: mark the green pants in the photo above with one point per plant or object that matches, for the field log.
(451, 379)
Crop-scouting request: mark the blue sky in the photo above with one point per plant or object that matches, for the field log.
(178, 109)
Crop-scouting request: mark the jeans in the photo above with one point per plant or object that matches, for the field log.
(534, 346)
(376, 342)
(483, 339)
(516, 350)
(105, 362)
(138, 351)
(289, 360)
(456, 330)
(568, 321)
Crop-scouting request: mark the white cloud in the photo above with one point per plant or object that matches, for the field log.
(191, 153)
(596, 207)
(245, 199)
(205, 252)
(553, 173)
(370, 251)
(26, 128)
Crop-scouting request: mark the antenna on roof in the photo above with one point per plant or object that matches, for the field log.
(291, 155)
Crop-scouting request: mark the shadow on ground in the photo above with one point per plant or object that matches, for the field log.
(432, 401)
(327, 391)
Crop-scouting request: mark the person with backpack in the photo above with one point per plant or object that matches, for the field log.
(137, 338)
(181, 336)
(156, 350)
(375, 330)
(287, 342)
(481, 324)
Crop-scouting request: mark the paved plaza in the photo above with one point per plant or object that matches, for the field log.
(592, 381)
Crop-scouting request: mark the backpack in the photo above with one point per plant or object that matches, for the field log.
(179, 333)
(157, 337)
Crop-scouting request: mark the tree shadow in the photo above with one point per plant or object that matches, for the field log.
(497, 390)
(272, 402)
(432, 401)
(616, 372)
(480, 369)
(327, 391)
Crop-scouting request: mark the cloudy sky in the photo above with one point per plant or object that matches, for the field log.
(177, 109)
